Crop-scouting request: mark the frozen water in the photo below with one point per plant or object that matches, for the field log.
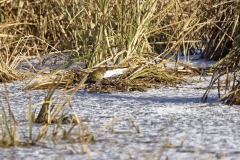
(211, 130)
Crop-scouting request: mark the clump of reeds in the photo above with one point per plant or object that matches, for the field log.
(97, 32)
(226, 76)
(220, 32)
(9, 127)
(46, 116)
(50, 112)
(8, 69)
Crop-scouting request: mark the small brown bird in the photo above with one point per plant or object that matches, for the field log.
(96, 75)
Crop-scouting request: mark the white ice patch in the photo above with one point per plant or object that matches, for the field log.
(113, 72)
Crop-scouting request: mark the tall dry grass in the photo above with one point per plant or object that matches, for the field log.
(98, 31)
(101, 30)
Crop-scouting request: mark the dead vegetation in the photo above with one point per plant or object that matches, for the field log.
(139, 74)
(226, 75)
(96, 32)
(141, 36)
(99, 32)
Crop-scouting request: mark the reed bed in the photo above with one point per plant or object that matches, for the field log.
(102, 31)
(97, 32)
